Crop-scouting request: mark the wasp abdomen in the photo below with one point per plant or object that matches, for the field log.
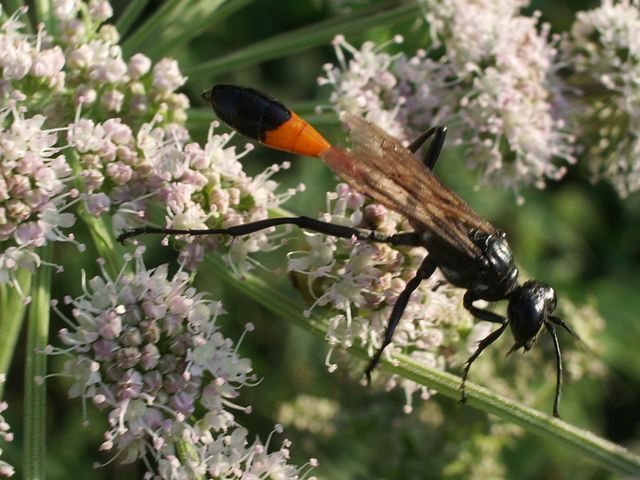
(264, 119)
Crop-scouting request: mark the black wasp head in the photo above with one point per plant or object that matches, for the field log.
(530, 305)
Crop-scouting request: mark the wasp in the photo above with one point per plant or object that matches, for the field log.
(469, 251)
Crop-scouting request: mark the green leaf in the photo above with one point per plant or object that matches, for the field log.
(151, 28)
(189, 23)
(171, 27)
(130, 15)
(12, 310)
(304, 38)
(101, 229)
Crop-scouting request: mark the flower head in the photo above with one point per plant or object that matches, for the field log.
(121, 124)
(495, 87)
(57, 78)
(603, 53)
(34, 192)
(146, 348)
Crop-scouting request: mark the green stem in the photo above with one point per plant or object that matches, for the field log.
(12, 309)
(608, 454)
(101, 230)
(283, 304)
(110, 250)
(304, 38)
(130, 15)
(35, 371)
(187, 454)
(43, 13)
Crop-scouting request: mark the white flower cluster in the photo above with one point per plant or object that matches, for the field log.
(199, 187)
(33, 192)
(365, 84)
(494, 87)
(108, 132)
(507, 93)
(146, 348)
(604, 53)
(362, 281)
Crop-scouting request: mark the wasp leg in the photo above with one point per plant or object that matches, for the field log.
(426, 269)
(485, 315)
(482, 344)
(413, 239)
(556, 345)
(439, 134)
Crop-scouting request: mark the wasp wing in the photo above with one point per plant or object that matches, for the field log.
(380, 167)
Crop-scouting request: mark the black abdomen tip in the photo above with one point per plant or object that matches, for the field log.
(246, 110)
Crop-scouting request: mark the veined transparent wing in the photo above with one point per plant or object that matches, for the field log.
(380, 167)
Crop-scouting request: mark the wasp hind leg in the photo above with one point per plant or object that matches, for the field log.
(412, 239)
(426, 269)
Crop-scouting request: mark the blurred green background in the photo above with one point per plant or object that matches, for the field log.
(579, 237)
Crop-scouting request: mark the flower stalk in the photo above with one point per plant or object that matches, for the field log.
(12, 310)
(36, 370)
(608, 454)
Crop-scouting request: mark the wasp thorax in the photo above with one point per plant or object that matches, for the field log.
(529, 307)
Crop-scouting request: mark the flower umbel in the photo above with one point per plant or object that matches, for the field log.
(57, 77)
(603, 55)
(495, 88)
(33, 191)
(145, 347)
(123, 150)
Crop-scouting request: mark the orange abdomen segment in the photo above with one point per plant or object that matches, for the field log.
(296, 136)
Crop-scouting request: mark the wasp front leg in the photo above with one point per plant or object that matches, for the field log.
(487, 316)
